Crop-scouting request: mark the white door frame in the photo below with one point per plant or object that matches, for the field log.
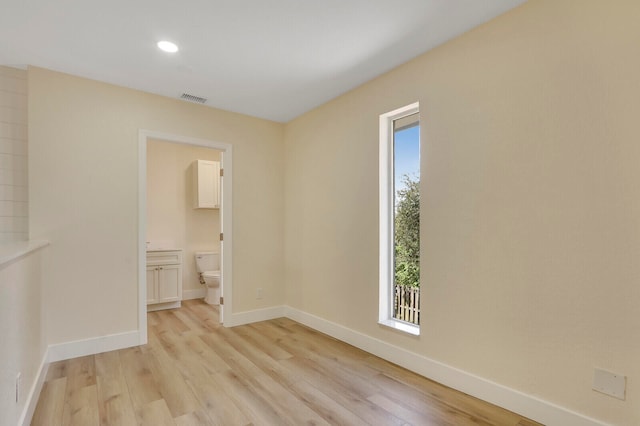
(225, 218)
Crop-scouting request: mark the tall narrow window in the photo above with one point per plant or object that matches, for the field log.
(400, 219)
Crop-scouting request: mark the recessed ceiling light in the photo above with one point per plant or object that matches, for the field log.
(167, 46)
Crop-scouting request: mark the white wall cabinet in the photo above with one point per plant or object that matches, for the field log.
(164, 279)
(206, 178)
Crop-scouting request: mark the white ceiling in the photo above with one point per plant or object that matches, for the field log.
(273, 59)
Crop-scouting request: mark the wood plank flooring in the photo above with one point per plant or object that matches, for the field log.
(193, 371)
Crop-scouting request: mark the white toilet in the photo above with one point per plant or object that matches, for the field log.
(208, 266)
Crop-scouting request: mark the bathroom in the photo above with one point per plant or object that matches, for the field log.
(175, 226)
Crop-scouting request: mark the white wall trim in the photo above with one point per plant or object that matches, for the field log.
(386, 211)
(142, 236)
(198, 293)
(12, 251)
(162, 306)
(526, 405)
(94, 345)
(34, 393)
(247, 317)
(226, 216)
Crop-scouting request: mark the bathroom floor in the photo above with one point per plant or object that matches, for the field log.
(194, 371)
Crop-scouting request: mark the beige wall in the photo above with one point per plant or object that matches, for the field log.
(21, 330)
(83, 177)
(13, 154)
(530, 202)
(170, 213)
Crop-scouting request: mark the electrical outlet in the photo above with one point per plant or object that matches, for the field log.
(18, 386)
(259, 293)
(609, 383)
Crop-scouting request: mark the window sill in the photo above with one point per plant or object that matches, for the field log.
(401, 326)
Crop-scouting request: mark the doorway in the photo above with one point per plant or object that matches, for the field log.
(145, 138)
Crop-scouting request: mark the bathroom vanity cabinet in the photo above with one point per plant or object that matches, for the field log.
(164, 279)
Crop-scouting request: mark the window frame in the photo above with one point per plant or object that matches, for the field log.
(386, 220)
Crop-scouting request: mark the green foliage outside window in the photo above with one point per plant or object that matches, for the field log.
(407, 234)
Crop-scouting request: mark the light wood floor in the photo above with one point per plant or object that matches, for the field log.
(193, 371)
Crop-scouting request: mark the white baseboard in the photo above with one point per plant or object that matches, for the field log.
(93, 346)
(526, 405)
(194, 293)
(162, 306)
(248, 317)
(34, 393)
(510, 399)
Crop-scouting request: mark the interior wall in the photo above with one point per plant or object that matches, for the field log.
(13, 154)
(530, 203)
(21, 331)
(83, 180)
(171, 216)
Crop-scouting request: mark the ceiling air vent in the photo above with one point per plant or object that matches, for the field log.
(191, 98)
